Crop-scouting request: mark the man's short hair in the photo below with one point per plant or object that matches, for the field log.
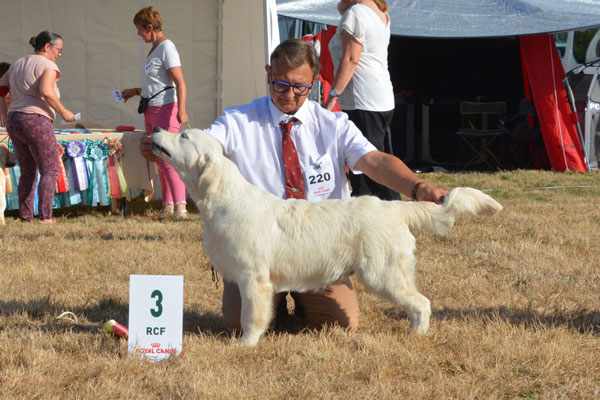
(295, 52)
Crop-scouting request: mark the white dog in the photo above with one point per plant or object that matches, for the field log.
(7, 159)
(268, 245)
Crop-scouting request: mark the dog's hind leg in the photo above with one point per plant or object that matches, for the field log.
(257, 308)
(396, 283)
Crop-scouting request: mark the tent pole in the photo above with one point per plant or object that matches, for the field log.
(571, 98)
(220, 44)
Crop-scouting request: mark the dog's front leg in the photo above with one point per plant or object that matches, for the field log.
(257, 308)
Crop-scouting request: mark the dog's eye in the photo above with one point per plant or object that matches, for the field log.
(184, 135)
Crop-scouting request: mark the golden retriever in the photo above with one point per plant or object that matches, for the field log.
(267, 245)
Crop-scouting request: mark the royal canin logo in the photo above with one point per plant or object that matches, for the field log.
(155, 349)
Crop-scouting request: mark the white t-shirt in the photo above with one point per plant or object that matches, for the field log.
(156, 75)
(325, 141)
(370, 88)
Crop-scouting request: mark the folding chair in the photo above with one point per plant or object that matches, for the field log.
(477, 118)
(527, 143)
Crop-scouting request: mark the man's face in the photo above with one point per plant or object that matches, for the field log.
(288, 102)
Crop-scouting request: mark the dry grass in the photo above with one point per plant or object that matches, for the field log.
(515, 300)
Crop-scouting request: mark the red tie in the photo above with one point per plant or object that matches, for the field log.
(294, 187)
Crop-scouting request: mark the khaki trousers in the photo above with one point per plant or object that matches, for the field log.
(337, 304)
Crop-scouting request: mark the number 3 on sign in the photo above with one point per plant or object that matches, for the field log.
(159, 297)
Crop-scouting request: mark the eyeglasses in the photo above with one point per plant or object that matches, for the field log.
(283, 87)
(59, 49)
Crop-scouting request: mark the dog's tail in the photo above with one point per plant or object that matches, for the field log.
(461, 200)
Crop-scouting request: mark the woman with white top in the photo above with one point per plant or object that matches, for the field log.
(362, 83)
(164, 86)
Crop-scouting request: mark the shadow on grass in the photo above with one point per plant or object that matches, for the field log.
(583, 321)
(45, 311)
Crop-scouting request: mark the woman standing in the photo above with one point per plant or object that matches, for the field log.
(164, 85)
(362, 83)
(35, 100)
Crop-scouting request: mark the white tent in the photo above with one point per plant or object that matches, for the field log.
(221, 43)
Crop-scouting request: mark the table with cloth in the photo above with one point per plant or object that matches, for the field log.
(97, 166)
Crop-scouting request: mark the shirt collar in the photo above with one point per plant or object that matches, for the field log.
(277, 116)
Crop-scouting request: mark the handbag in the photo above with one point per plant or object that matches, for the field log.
(145, 100)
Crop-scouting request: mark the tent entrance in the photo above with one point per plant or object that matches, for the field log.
(432, 76)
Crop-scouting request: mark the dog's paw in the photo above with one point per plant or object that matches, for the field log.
(250, 340)
(421, 329)
(419, 323)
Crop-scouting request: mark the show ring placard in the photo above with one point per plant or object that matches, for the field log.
(155, 316)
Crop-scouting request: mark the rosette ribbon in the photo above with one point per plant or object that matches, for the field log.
(96, 153)
(76, 150)
(12, 199)
(73, 196)
(62, 184)
(118, 185)
(9, 184)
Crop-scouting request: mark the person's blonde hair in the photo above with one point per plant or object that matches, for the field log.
(382, 4)
(147, 17)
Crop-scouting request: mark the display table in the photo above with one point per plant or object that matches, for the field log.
(137, 171)
(123, 174)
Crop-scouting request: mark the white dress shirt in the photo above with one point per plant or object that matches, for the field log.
(251, 137)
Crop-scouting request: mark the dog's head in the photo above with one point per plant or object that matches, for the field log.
(8, 159)
(188, 152)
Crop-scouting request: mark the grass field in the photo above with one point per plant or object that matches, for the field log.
(515, 301)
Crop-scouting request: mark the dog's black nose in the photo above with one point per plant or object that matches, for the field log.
(156, 129)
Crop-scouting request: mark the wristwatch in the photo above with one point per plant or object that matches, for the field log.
(333, 93)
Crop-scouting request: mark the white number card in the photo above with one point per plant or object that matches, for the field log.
(155, 316)
(320, 176)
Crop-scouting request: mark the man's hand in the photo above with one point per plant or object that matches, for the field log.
(146, 149)
(425, 192)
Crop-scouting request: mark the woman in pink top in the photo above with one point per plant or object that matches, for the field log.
(35, 100)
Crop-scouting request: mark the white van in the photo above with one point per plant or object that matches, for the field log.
(580, 55)
(578, 47)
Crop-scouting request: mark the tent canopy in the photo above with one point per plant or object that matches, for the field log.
(447, 51)
(463, 18)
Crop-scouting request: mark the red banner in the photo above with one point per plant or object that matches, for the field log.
(545, 73)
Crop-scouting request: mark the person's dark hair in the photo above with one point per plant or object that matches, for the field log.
(4, 66)
(148, 16)
(295, 52)
(38, 42)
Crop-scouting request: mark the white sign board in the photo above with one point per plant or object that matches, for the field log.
(155, 316)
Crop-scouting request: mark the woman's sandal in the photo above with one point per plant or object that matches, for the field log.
(181, 214)
(163, 214)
